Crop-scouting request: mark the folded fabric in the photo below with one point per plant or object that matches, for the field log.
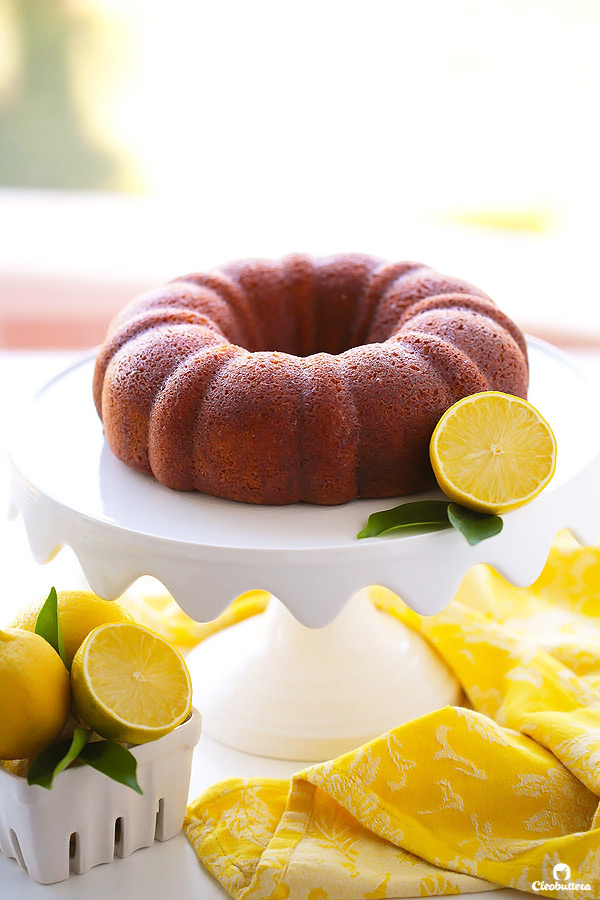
(505, 792)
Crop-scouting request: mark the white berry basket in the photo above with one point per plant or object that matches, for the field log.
(87, 818)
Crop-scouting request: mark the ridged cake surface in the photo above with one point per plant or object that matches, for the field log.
(314, 379)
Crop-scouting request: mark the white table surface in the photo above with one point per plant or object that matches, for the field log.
(170, 869)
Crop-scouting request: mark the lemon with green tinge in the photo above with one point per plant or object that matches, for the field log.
(492, 452)
(130, 684)
(79, 613)
(35, 694)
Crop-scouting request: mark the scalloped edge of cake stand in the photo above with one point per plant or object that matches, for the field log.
(207, 551)
(313, 583)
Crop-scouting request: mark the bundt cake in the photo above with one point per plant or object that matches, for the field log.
(302, 379)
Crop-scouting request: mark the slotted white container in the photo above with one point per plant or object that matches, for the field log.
(87, 818)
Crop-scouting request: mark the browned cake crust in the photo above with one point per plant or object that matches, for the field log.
(302, 379)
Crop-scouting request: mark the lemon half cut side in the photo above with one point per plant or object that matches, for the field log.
(492, 452)
(130, 684)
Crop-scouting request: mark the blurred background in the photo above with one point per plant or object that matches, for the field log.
(140, 140)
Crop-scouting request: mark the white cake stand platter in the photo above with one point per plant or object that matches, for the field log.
(271, 685)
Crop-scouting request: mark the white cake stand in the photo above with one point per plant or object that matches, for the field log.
(271, 685)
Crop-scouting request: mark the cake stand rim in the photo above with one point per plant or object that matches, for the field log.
(113, 556)
(369, 504)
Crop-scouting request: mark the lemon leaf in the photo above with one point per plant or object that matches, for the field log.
(47, 624)
(113, 760)
(419, 517)
(424, 516)
(474, 526)
(53, 760)
(107, 757)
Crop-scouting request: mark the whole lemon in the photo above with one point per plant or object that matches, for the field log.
(35, 694)
(79, 613)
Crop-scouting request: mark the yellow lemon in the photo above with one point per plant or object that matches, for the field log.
(129, 684)
(18, 767)
(35, 694)
(492, 452)
(79, 613)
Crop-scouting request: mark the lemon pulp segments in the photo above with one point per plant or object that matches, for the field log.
(492, 452)
(129, 684)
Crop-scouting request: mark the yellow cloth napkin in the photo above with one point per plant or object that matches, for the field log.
(462, 799)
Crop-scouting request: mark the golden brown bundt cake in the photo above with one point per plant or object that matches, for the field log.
(301, 379)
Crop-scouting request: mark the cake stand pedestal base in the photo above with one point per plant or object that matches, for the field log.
(272, 687)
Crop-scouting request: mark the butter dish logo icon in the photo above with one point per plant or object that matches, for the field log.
(561, 873)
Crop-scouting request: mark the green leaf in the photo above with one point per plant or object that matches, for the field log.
(475, 526)
(47, 625)
(47, 765)
(419, 517)
(107, 757)
(113, 760)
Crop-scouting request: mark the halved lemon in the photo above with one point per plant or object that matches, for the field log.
(129, 684)
(492, 452)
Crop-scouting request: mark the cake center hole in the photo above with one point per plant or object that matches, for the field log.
(321, 324)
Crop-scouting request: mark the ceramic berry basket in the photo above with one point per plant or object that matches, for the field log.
(87, 819)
